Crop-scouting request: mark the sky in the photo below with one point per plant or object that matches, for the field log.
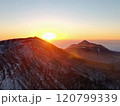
(67, 19)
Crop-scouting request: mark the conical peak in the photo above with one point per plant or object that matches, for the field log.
(84, 42)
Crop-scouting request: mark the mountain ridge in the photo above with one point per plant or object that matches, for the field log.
(32, 63)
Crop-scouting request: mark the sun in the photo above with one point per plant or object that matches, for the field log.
(48, 36)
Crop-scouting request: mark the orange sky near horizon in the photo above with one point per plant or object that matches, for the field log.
(62, 32)
(64, 36)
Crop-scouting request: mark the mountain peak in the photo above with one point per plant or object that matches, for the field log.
(84, 42)
(93, 51)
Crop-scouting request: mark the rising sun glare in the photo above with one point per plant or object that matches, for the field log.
(48, 36)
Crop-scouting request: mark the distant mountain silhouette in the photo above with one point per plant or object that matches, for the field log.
(93, 52)
(32, 63)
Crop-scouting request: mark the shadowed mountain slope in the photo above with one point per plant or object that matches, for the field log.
(32, 63)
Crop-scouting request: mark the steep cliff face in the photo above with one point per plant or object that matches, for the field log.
(33, 63)
(94, 52)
